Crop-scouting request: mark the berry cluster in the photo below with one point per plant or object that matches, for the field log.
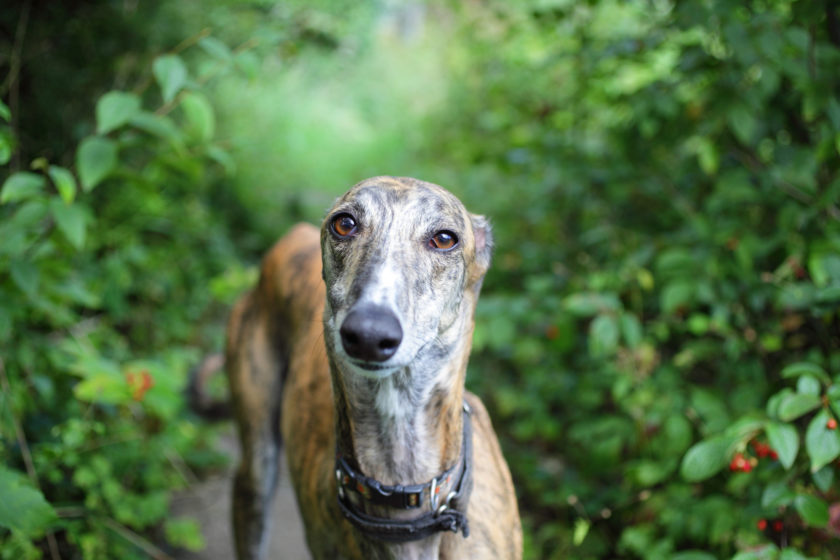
(744, 463)
(741, 463)
(777, 525)
(762, 450)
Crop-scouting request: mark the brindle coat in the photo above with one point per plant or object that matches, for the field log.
(401, 422)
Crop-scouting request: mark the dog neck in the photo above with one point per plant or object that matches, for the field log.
(404, 429)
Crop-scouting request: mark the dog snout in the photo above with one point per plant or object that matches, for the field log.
(371, 333)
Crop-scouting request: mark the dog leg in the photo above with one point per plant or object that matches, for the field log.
(255, 370)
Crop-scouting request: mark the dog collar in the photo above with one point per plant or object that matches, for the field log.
(447, 514)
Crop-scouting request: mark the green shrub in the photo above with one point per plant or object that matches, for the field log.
(101, 268)
(663, 179)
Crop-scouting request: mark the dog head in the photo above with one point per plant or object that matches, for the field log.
(403, 264)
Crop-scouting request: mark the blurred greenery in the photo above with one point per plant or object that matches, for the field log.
(658, 339)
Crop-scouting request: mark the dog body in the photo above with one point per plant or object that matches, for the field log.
(360, 335)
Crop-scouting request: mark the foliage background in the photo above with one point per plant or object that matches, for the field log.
(663, 306)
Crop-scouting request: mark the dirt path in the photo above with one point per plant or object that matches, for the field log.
(209, 503)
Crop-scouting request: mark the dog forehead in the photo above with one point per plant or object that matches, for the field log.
(405, 197)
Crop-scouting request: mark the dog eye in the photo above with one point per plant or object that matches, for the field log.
(443, 240)
(344, 225)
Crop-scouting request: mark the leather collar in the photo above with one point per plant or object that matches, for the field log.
(446, 495)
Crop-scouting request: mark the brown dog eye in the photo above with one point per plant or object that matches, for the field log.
(344, 225)
(443, 241)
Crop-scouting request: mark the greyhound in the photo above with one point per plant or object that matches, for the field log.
(352, 351)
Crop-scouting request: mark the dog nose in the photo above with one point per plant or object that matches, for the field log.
(371, 333)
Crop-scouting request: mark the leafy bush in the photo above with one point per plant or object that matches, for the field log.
(664, 183)
(101, 318)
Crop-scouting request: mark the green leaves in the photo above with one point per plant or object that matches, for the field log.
(743, 123)
(25, 275)
(813, 510)
(777, 494)
(707, 153)
(590, 303)
(156, 125)
(115, 109)
(677, 294)
(71, 219)
(823, 478)
(79, 293)
(805, 368)
(64, 182)
(807, 385)
(785, 440)
(631, 329)
(21, 186)
(821, 443)
(200, 118)
(23, 508)
(794, 405)
(6, 145)
(706, 458)
(216, 48)
(729, 301)
(603, 335)
(184, 533)
(171, 74)
(582, 527)
(103, 388)
(95, 160)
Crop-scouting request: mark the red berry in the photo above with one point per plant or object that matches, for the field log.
(831, 424)
(761, 449)
(737, 462)
(762, 524)
(773, 454)
(740, 463)
(778, 526)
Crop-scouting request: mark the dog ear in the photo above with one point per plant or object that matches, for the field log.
(483, 244)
